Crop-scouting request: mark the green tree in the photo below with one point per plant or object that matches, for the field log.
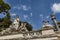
(4, 7)
(28, 26)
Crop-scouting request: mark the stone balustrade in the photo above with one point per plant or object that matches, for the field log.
(32, 34)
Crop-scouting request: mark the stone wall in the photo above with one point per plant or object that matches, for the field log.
(33, 35)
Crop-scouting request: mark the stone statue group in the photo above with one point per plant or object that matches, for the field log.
(15, 27)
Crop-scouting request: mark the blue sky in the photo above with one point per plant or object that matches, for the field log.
(34, 11)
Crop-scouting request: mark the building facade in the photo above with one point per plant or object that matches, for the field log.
(16, 32)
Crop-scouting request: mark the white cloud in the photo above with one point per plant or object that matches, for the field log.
(56, 7)
(25, 16)
(25, 7)
(31, 14)
(41, 15)
(16, 7)
(13, 14)
(47, 16)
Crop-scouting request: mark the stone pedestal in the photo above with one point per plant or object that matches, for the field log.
(47, 30)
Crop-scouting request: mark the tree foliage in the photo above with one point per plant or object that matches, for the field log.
(28, 26)
(4, 7)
